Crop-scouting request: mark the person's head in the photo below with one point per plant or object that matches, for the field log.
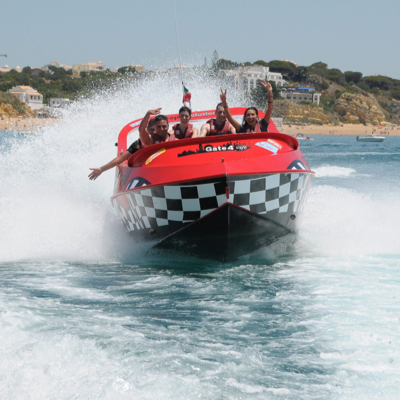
(220, 115)
(250, 117)
(185, 114)
(162, 125)
(151, 127)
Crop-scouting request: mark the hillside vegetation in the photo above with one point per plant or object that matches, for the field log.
(347, 97)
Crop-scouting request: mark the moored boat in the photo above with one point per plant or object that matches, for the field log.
(370, 138)
(215, 197)
(300, 136)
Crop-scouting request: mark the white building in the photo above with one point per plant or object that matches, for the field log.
(246, 78)
(28, 95)
(59, 103)
(301, 94)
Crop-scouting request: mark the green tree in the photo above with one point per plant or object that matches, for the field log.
(71, 86)
(27, 70)
(299, 74)
(351, 76)
(395, 92)
(318, 68)
(283, 67)
(335, 75)
(126, 70)
(225, 64)
(23, 79)
(261, 63)
(380, 82)
(57, 73)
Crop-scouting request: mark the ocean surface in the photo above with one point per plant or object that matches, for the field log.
(87, 314)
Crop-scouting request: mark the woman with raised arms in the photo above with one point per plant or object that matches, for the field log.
(251, 122)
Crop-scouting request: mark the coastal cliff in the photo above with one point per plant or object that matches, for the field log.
(349, 108)
(300, 112)
(360, 108)
(11, 107)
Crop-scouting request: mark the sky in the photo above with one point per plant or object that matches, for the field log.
(352, 35)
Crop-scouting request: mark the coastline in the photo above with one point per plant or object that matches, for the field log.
(32, 124)
(339, 130)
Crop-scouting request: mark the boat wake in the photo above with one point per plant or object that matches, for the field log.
(328, 171)
(342, 222)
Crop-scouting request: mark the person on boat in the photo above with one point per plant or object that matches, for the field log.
(133, 148)
(161, 134)
(251, 122)
(219, 125)
(184, 130)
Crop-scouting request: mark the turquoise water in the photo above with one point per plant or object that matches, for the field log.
(86, 314)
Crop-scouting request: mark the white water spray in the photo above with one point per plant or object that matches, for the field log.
(48, 207)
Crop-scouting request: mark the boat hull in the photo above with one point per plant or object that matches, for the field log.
(251, 210)
(370, 138)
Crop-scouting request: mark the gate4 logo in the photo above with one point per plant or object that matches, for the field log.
(209, 148)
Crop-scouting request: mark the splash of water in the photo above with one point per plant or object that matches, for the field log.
(48, 207)
(343, 222)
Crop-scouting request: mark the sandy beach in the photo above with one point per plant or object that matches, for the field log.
(339, 130)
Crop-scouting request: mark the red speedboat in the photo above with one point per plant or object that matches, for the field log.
(216, 197)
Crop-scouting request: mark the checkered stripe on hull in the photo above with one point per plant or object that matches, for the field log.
(271, 194)
(170, 205)
(173, 206)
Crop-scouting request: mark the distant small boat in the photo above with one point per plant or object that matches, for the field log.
(300, 136)
(370, 138)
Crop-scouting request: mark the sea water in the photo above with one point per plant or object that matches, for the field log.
(87, 314)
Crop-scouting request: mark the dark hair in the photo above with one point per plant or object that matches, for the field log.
(184, 108)
(151, 123)
(161, 118)
(219, 105)
(244, 115)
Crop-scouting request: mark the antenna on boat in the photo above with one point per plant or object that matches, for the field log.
(186, 94)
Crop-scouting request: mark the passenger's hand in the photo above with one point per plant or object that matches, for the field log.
(95, 174)
(222, 96)
(267, 85)
(154, 112)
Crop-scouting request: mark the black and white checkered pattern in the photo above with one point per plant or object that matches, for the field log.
(165, 205)
(174, 205)
(271, 193)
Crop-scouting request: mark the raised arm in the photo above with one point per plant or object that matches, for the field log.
(228, 114)
(144, 134)
(117, 160)
(268, 112)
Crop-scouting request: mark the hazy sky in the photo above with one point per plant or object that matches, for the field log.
(362, 35)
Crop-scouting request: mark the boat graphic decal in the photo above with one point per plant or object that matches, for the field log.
(136, 182)
(208, 148)
(297, 164)
(268, 146)
(152, 157)
(275, 143)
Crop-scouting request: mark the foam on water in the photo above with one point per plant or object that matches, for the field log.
(339, 221)
(332, 171)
